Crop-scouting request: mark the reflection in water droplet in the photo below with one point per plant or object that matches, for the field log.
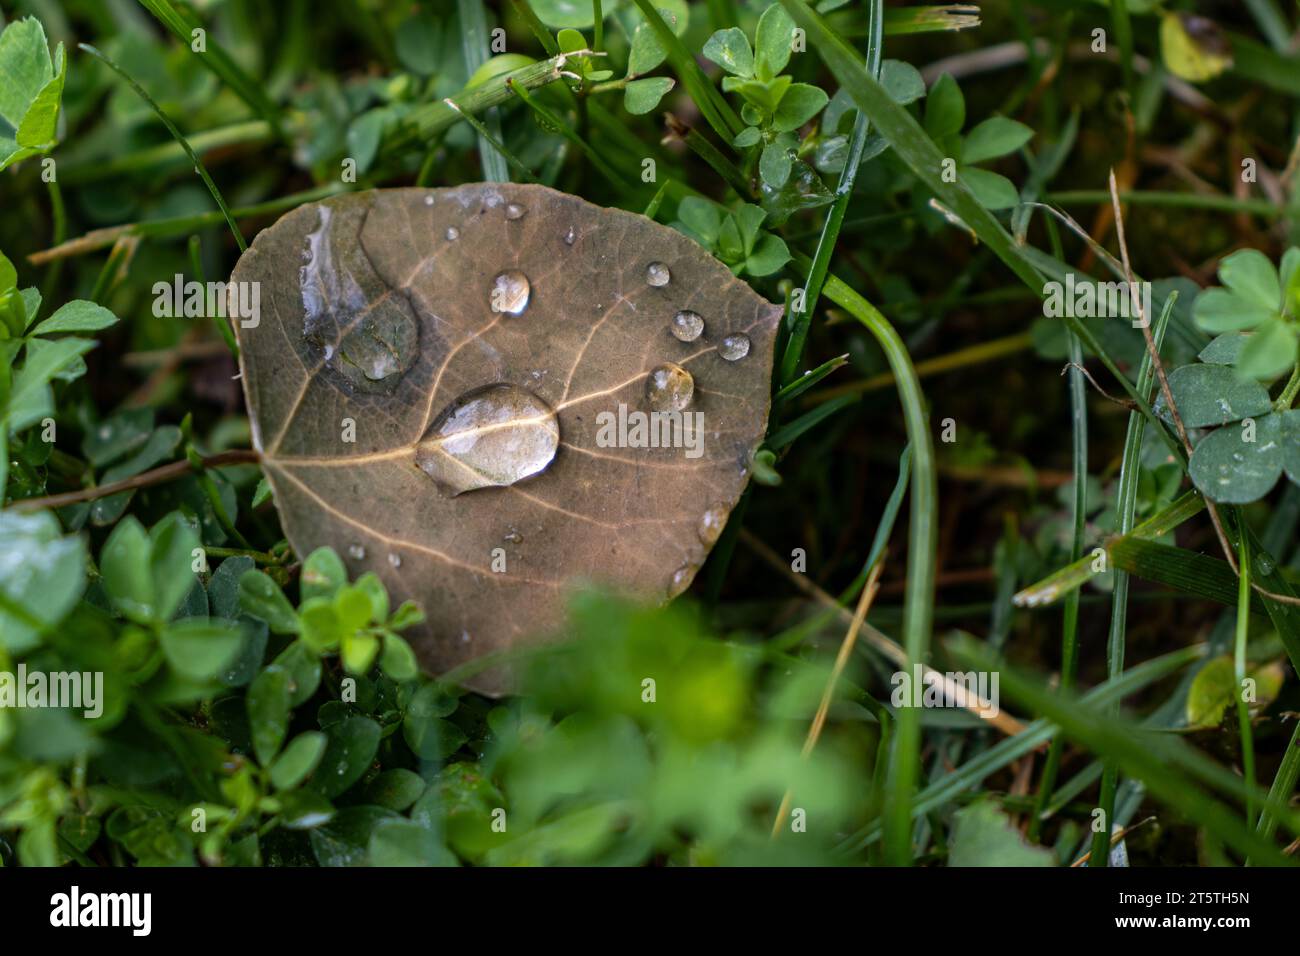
(669, 388)
(395, 560)
(681, 580)
(687, 326)
(515, 211)
(570, 236)
(366, 337)
(357, 551)
(510, 291)
(657, 274)
(491, 436)
(452, 233)
(428, 200)
(734, 347)
(513, 536)
(711, 525)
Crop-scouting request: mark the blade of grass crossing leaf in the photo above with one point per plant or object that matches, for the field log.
(474, 43)
(802, 317)
(1125, 507)
(215, 58)
(176, 133)
(922, 538)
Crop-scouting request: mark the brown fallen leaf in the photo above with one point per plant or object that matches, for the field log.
(435, 379)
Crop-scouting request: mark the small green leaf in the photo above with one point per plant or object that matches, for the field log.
(945, 108)
(994, 191)
(773, 42)
(352, 745)
(1224, 350)
(982, 835)
(79, 315)
(1240, 463)
(298, 760)
(1269, 351)
(642, 96)
(1250, 276)
(902, 81)
(42, 575)
(323, 573)
(800, 103)
(395, 789)
(1212, 395)
(268, 703)
(775, 163)
(770, 255)
(994, 137)
(647, 50)
(201, 648)
(1218, 310)
(401, 842)
(262, 598)
(749, 136)
(398, 660)
(730, 49)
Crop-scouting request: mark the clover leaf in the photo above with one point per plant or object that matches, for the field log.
(993, 138)
(1254, 313)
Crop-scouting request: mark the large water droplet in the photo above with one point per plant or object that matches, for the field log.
(711, 525)
(669, 388)
(489, 437)
(510, 292)
(657, 274)
(687, 326)
(515, 211)
(734, 347)
(452, 233)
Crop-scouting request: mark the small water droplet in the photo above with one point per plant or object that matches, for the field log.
(428, 200)
(491, 436)
(395, 560)
(657, 274)
(513, 536)
(570, 236)
(464, 637)
(1264, 565)
(357, 551)
(452, 233)
(734, 347)
(687, 326)
(510, 292)
(669, 388)
(515, 211)
(680, 580)
(711, 524)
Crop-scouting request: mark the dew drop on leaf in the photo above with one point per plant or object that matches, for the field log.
(687, 326)
(489, 437)
(711, 525)
(657, 274)
(510, 292)
(515, 211)
(357, 551)
(734, 347)
(669, 388)
(452, 233)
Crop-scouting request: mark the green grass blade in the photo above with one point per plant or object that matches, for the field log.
(182, 26)
(918, 600)
(474, 44)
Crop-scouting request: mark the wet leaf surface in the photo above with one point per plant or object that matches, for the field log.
(445, 388)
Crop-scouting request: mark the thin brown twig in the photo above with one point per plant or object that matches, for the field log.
(166, 472)
(1114, 840)
(828, 694)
